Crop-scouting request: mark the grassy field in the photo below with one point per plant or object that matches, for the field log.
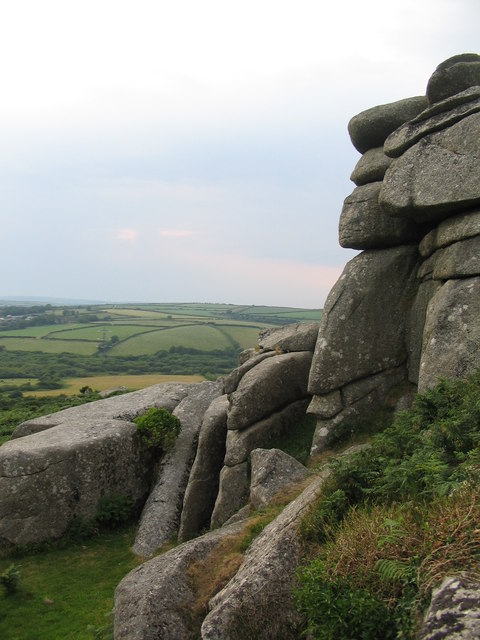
(175, 338)
(64, 591)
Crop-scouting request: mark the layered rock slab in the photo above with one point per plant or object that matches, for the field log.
(203, 481)
(271, 385)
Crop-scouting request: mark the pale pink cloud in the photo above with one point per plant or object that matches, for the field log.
(127, 235)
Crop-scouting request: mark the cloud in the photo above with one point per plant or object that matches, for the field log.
(127, 235)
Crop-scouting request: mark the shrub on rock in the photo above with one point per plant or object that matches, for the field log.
(158, 428)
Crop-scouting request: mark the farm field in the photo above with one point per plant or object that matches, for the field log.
(54, 345)
(72, 386)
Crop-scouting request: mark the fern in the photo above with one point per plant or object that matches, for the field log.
(395, 570)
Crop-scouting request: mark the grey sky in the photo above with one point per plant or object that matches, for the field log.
(196, 151)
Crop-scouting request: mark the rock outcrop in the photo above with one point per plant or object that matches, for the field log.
(404, 309)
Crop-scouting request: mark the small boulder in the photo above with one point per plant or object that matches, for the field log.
(454, 75)
(370, 128)
(299, 336)
(365, 225)
(272, 471)
(371, 167)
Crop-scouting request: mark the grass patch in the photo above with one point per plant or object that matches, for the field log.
(63, 591)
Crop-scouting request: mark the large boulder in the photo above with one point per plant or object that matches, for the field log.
(270, 386)
(49, 478)
(451, 339)
(60, 466)
(161, 514)
(370, 128)
(157, 599)
(361, 331)
(436, 177)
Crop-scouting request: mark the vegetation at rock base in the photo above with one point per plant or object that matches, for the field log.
(396, 518)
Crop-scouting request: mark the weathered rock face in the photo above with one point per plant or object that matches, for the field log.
(203, 482)
(410, 312)
(360, 333)
(272, 384)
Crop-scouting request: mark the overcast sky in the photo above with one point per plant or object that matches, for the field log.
(196, 150)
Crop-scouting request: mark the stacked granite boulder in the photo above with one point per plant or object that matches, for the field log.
(406, 310)
(265, 397)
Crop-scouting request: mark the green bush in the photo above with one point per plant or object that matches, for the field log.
(158, 428)
(336, 610)
(10, 578)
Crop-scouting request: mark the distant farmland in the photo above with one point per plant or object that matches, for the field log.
(54, 343)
